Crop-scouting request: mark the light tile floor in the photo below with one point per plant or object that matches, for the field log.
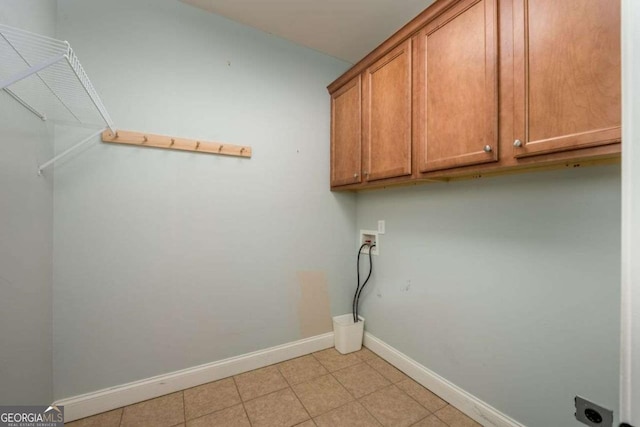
(325, 389)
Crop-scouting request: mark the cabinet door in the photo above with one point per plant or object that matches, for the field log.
(457, 97)
(346, 136)
(387, 115)
(566, 75)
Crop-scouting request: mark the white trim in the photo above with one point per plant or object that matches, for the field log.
(630, 275)
(85, 405)
(116, 397)
(473, 407)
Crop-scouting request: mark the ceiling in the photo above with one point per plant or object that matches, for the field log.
(345, 29)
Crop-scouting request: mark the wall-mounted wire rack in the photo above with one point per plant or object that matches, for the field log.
(44, 76)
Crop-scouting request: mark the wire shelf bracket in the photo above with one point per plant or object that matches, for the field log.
(44, 76)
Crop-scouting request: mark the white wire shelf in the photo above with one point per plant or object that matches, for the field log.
(44, 76)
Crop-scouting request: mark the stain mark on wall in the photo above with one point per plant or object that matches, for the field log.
(313, 304)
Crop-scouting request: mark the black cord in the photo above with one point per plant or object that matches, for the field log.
(365, 282)
(354, 309)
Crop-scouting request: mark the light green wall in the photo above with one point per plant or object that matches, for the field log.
(166, 260)
(507, 287)
(26, 233)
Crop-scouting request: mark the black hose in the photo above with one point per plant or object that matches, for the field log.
(354, 309)
(365, 282)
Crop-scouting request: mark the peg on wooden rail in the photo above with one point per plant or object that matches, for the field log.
(197, 144)
(242, 150)
(144, 138)
(173, 141)
(220, 148)
(116, 135)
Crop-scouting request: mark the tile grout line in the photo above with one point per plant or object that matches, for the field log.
(301, 403)
(440, 419)
(344, 404)
(324, 375)
(360, 360)
(325, 412)
(217, 410)
(367, 409)
(315, 378)
(351, 366)
(336, 408)
(368, 394)
(293, 391)
(345, 389)
(244, 408)
(327, 368)
(374, 370)
(280, 372)
(411, 397)
(361, 397)
(369, 412)
(354, 398)
(184, 408)
(264, 395)
(420, 404)
(424, 418)
(343, 386)
(421, 386)
(443, 421)
(388, 379)
(429, 413)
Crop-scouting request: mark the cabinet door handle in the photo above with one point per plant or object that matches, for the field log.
(517, 143)
(487, 149)
(355, 175)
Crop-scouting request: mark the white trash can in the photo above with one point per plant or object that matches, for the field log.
(347, 334)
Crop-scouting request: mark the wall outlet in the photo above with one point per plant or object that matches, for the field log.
(591, 414)
(381, 226)
(369, 236)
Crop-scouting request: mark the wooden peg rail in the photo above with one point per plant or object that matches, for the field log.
(174, 143)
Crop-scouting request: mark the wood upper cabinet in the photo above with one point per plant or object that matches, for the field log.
(566, 75)
(346, 134)
(387, 115)
(465, 90)
(456, 113)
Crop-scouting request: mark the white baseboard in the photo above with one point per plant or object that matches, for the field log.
(116, 397)
(473, 407)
